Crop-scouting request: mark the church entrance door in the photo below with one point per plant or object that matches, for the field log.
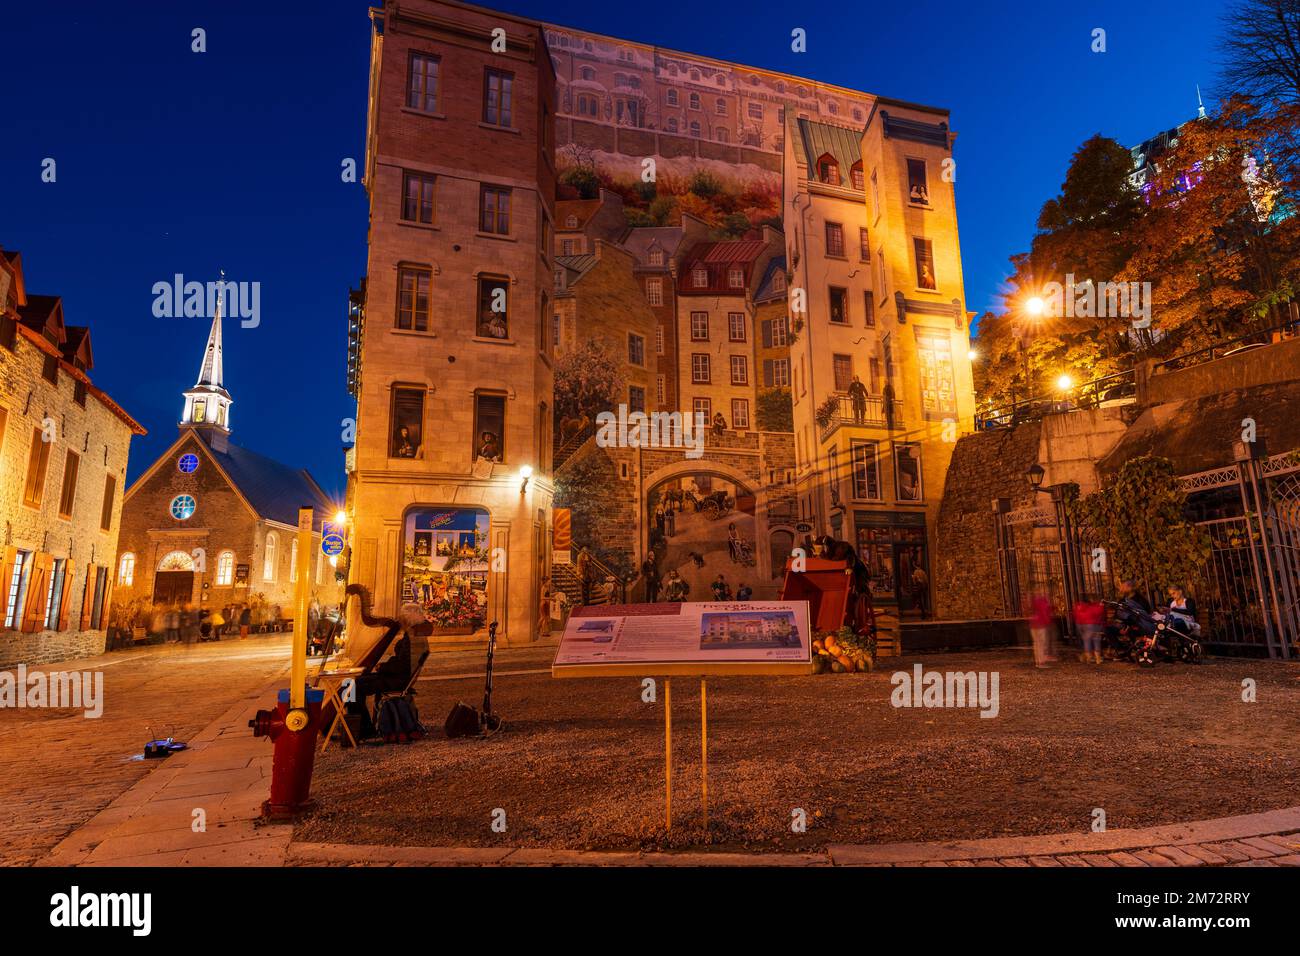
(173, 587)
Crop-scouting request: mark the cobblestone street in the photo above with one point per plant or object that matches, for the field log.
(62, 769)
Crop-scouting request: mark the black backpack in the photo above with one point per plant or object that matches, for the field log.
(399, 720)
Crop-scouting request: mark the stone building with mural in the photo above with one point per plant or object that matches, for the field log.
(666, 205)
(63, 452)
(213, 525)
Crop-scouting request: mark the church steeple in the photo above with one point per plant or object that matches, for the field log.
(207, 404)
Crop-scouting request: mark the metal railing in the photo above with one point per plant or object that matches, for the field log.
(1257, 337)
(1118, 387)
(871, 413)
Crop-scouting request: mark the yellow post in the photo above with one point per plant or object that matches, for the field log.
(668, 749)
(704, 750)
(302, 598)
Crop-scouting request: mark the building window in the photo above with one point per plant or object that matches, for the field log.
(489, 426)
(924, 250)
(496, 97)
(736, 278)
(635, 398)
(720, 106)
(736, 326)
(875, 195)
(839, 302)
(918, 191)
(293, 562)
(699, 326)
(700, 277)
(656, 257)
(672, 97)
(672, 124)
(778, 281)
(828, 170)
(79, 392)
(740, 413)
(188, 463)
(700, 368)
(106, 510)
(755, 111)
(855, 175)
(834, 239)
(694, 102)
(864, 244)
(126, 570)
(37, 463)
(494, 210)
(907, 471)
(869, 309)
(413, 298)
(268, 557)
(54, 595)
(493, 308)
(588, 105)
(417, 198)
(776, 332)
(422, 83)
(68, 496)
(659, 340)
(555, 328)
(776, 373)
(842, 365)
(225, 568)
(695, 128)
(660, 389)
(636, 349)
(407, 437)
(182, 507)
(702, 406)
(722, 135)
(654, 291)
(866, 471)
(50, 370)
(935, 368)
(16, 589)
(739, 370)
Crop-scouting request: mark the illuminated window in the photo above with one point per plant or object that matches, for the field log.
(188, 463)
(225, 567)
(182, 507)
(126, 570)
(268, 557)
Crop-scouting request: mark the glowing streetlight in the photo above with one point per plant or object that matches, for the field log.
(340, 517)
(1065, 383)
(525, 472)
(972, 355)
(1036, 306)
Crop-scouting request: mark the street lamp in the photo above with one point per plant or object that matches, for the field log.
(1065, 383)
(1034, 475)
(525, 472)
(340, 517)
(1071, 573)
(972, 355)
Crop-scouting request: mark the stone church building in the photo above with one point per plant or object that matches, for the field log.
(210, 523)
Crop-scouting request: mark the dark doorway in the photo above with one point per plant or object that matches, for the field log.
(173, 587)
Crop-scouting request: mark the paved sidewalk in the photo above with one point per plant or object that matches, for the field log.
(225, 773)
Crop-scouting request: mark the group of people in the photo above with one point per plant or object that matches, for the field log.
(1090, 617)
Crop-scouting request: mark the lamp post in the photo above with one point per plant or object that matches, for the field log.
(1071, 574)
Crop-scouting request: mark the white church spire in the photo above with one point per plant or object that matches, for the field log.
(207, 404)
(211, 372)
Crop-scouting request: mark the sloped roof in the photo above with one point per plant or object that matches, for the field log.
(765, 290)
(78, 340)
(580, 209)
(738, 250)
(275, 491)
(640, 240)
(42, 313)
(816, 139)
(579, 264)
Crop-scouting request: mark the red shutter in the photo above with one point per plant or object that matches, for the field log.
(87, 597)
(37, 584)
(68, 568)
(108, 600)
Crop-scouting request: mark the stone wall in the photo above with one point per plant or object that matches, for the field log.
(984, 466)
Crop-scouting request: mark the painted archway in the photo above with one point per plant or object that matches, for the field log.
(705, 519)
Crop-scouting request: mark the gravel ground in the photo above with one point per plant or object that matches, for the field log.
(580, 763)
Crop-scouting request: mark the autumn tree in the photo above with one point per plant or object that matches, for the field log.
(588, 381)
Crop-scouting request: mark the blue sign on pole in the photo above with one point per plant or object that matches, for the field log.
(331, 538)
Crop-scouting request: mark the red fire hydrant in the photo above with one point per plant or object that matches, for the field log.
(294, 734)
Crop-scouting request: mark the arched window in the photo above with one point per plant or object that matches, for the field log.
(126, 570)
(225, 567)
(828, 170)
(720, 106)
(293, 564)
(695, 128)
(587, 73)
(695, 101)
(177, 561)
(268, 557)
(571, 222)
(672, 97)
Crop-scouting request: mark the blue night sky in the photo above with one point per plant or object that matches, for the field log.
(171, 161)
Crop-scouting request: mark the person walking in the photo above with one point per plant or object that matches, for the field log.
(1041, 623)
(1090, 615)
(173, 625)
(245, 620)
(650, 570)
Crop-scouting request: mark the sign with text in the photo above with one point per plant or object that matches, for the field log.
(695, 639)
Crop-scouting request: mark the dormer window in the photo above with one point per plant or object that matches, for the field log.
(571, 222)
(855, 176)
(828, 170)
(736, 278)
(700, 277)
(656, 257)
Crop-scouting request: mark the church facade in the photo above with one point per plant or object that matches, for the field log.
(212, 524)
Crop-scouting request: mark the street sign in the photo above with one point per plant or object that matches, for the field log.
(331, 538)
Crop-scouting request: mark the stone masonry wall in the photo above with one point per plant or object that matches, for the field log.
(984, 466)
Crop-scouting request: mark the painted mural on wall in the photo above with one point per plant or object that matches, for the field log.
(716, 131)
(702, 537)
(445, 566)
